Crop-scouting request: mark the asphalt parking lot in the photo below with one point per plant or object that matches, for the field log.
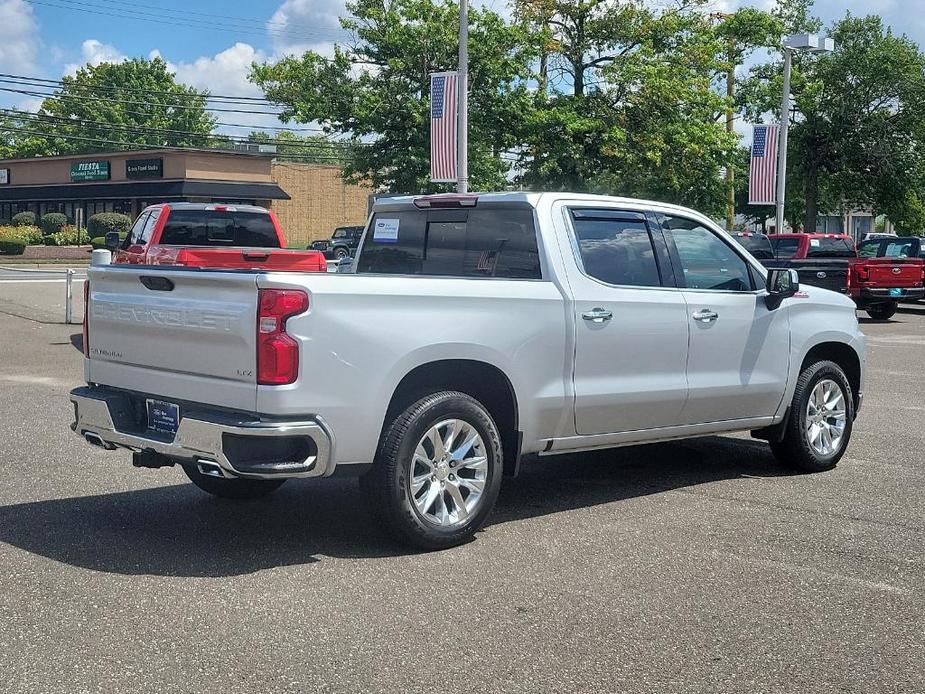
(687, 567)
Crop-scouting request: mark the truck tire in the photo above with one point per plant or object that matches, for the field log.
(438, 471)
(821, 420)
(883, 311)
(240, 489)
(341, 253)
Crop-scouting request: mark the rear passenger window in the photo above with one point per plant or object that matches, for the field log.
(785, 248)
(216, 228)
(489, 242)
(615, 251)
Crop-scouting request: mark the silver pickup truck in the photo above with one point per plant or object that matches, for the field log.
(470, 331)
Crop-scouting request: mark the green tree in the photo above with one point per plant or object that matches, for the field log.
(138, 102)
(630, 105)
(374, 93)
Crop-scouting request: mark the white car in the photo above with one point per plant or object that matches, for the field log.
(470, 331)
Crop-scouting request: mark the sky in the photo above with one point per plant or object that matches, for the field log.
(211, 44)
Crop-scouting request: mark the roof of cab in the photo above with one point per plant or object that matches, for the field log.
(210, 206)
(532, 199)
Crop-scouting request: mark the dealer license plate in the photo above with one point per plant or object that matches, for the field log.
(163, 416)
(896, 291)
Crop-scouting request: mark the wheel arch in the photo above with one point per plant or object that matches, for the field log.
(483, 381)
(845, 356)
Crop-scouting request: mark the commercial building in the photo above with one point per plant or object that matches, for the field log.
(310, 200)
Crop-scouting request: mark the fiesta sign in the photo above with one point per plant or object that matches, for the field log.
(90, 171)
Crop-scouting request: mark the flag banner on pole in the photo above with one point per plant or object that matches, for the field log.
(444, 96)
(762, 181)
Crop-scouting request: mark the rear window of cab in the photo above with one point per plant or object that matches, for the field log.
(482, 242)
(219, 228)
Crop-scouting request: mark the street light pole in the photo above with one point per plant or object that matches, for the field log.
(462, 116)
(782, 143)
(810, 43)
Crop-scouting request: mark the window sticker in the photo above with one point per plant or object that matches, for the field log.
(386, 230)
(814, 243)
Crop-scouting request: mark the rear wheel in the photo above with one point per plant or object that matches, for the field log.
(438, 471)
(341, 253)
(237, 488)
(883, 311)
(821, 420)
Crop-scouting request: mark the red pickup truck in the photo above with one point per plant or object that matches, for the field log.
(831, 261)
(211, 236)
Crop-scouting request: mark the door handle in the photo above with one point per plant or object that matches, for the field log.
(597, 315)
(705, 315)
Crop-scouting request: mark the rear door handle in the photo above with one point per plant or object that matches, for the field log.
(705, 315)
(597, 315)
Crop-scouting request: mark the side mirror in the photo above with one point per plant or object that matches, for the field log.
(113, 241)
(782, 284)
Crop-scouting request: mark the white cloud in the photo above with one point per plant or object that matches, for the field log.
(95, 53)
(306, 25)
(19, 40)
(226, 74)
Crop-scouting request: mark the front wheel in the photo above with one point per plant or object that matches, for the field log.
(821, 420)
(341, 253)
(438, 471)
(231, 488)
(883, 311)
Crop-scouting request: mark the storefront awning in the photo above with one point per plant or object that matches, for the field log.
(144, 189)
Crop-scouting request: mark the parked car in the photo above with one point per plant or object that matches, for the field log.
(759, 245)
(343, 243)
(876, 235)
(831, 261)
(210, 236)
(896, 247)
(474, 330)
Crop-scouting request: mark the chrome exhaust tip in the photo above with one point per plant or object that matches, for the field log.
(97, 440)
(209, 469)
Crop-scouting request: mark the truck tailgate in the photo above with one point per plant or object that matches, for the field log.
(827, 274)
(893, 272)
(177, 333)
(275, 259)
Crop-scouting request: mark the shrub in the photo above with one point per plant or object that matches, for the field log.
(24, 219)
(101, 224)
(31, 235)
(12, 247)
(68, 236)
(52, 223)
(12, 241)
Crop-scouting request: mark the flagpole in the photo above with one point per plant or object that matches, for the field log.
(782, 143)
(462, 116)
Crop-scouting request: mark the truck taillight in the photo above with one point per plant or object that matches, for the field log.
(86, 323)
(863, 273)
(277, 351)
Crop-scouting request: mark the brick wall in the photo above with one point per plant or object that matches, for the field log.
(320, 201)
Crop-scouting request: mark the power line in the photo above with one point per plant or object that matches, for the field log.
(140, 145)
(44, 83)
(137, 103)
(173, 20)
(150, 130)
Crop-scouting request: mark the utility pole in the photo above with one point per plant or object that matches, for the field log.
(730, 128)
(782, 144)
(462, 116)
(730, 123)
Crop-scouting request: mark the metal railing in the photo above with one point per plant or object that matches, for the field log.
(68, 276)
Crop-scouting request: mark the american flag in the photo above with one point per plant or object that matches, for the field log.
(444, 92)
(762, 182)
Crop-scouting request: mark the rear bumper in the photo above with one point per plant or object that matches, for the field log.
(241, 445)
(866, 296)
